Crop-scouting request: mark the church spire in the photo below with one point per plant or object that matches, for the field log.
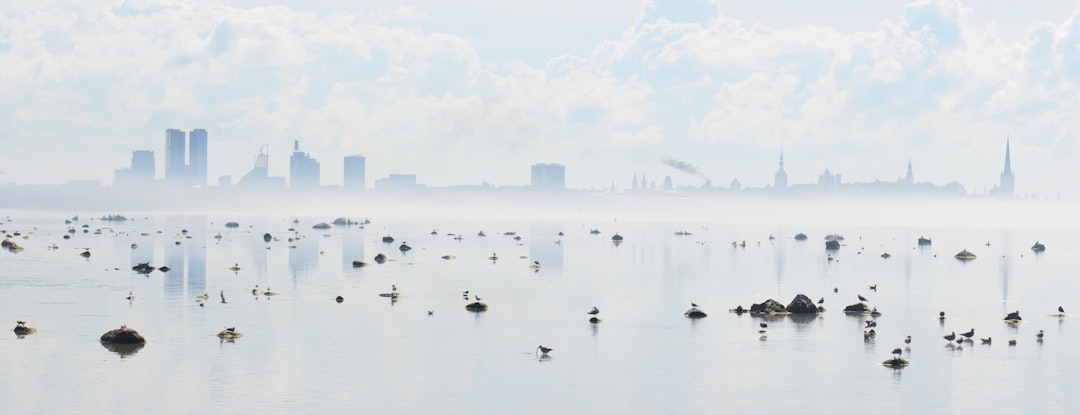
(1008, 160)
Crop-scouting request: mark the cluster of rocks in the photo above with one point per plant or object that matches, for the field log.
(801, 304)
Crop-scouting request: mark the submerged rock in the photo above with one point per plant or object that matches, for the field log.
(695, 313)
(802, 304)
(123, 335)
(770, 306)
(896, 362)
(22, 329)
(859, 307)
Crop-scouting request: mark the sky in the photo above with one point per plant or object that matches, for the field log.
(474, 91)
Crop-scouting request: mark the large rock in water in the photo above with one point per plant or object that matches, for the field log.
(769, 306)
(802, 304)
(123, 335)
(857, 308)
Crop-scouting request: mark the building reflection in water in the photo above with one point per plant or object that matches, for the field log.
(352, 247)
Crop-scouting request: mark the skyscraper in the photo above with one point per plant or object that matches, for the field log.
(780, 179)
(548, 177)
(142, 165)
(354, 172)
(175, 166)
(197, 157)
(303, 170)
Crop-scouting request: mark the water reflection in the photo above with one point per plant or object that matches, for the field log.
(352, 247)
(123, 349)
(545, 245)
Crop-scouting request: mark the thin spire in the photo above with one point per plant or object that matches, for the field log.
(1008, 159)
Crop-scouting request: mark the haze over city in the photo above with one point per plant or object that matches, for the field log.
(478, 91)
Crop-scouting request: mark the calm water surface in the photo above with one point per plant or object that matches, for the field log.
(304, 353)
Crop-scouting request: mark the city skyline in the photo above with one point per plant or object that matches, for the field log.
(468, 94)
(305, 173)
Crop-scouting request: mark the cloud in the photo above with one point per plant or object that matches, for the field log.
(935, 82)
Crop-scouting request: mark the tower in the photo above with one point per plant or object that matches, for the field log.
(1008, 182)
(780, 179)
(175, 166)
(354, 172)
(303, 170)
(197, 157)
(910, 177)
(548, 177)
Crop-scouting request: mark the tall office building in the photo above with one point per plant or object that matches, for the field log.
(354, 172)
(196, 169)
(142, 165)
(175, 163)
(303, 170)
(548, 177)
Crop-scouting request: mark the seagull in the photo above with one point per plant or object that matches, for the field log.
(693, 305)
(835, 289)
(1061, 309)
(985, 341)
(477, 297)
(1012, 342)
(871, 324)
(763, 326)
(897, 351)
(393, 287)
(431, 312)
(969, 334)
(543, 350)
(1039, 335)
(861, 298)
(907, 340)
(594, 311)
(873, 287)
(131, 296)
(821, 301)
(223, 297)
(951, 337)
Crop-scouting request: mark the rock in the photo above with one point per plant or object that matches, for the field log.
(802, 304)
(321, 225)
(232, 225)
(1038, 247)
(143, 268)
(770, 306)
(340, 299)
(123, 335)
(267, 237)
(1013, 316)
(476, 306)
(695, 313)
(380, 258)
(164, 268)
(832, 245)
(857, 308)
(359, 264)
(896, 362)
(800, 236)
(965, 255)
(10, 245)
(229, 333)
(404, 247)
(22, 329)
(595, 320)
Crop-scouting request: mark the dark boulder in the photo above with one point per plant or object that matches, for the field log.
(1013, 316)
(232, 225)
(695, 313)
(380, 258)
(123, 335)
(802, 304)
(404, 247)
(857, 308)
(476, 306)
(800, 236)
(359, 264)
(832, 245)
(769, 306)
(22, 329)
(267, 237)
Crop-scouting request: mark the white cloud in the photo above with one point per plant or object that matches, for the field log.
(941, 81)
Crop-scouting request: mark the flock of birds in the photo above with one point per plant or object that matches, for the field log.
(953, 339)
